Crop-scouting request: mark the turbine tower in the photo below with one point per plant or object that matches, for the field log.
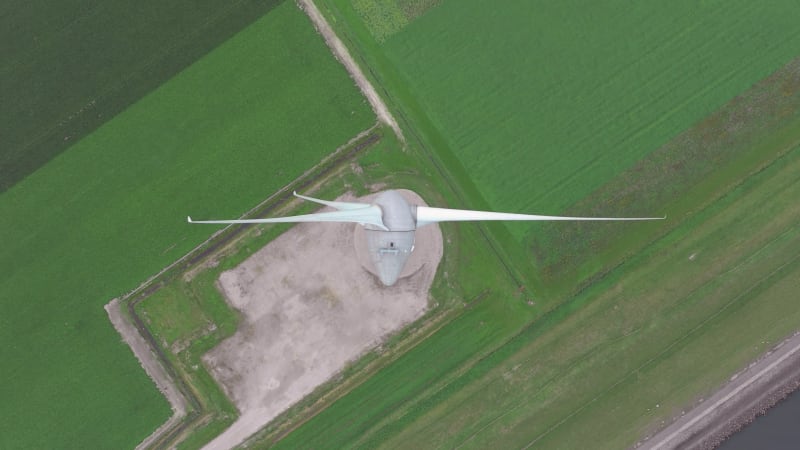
(390, 222)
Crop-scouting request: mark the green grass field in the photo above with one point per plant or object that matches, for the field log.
(181, 314)
(100, 218)
(70, 66)
(503, 371)
(561, 98)
(694, 167)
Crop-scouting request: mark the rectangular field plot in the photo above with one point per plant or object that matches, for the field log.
(544, 102)
(99, 219)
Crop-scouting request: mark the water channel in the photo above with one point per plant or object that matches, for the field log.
(777, 430)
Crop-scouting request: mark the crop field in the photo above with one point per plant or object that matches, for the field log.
(108, 213)
(561, 98)
(69, 66)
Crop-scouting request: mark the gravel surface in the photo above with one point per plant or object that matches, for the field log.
(308, 308)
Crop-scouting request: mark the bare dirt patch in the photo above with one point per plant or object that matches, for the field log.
(308, 308)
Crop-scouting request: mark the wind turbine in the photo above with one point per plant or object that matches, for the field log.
(390, 222)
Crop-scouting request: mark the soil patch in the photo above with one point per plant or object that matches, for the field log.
(308, 308)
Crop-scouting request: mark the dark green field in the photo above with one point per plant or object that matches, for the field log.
(68, 66)
(102, 217)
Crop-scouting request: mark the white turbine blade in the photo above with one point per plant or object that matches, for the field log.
(342, 206)
(366, 215)
(427, 215)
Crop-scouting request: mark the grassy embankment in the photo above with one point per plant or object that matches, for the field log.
(400, 400)
(100, 218)
(70, 66)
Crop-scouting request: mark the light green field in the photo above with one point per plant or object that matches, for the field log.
(542, 104)
(110, 212)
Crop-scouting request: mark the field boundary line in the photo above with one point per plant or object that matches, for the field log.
(342, 55)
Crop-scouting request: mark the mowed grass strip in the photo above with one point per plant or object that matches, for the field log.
(99, 219)
(543, 103)
(69, 66)
(691, 310)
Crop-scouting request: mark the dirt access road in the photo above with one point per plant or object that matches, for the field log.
(343, 55)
